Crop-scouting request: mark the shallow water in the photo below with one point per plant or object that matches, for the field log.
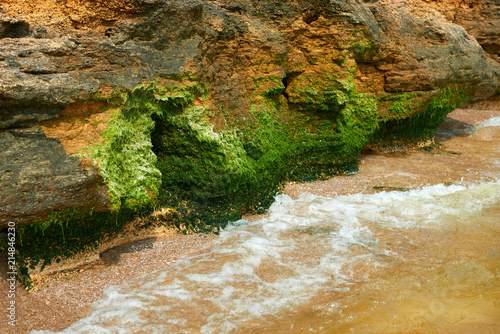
(422, 261)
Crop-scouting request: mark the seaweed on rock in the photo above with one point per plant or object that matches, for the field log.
(161, 151)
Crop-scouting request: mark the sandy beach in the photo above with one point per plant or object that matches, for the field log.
(462, 157)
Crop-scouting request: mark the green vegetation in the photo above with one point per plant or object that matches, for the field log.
(62, 236)
(322, 93)
(363, 47)
(270, 85)
(161, 151)
(399, 105)
(127, 164)
(417, 126)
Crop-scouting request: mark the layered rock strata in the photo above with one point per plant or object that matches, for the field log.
(55, 54)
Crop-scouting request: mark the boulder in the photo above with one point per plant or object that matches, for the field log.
(58, 54)
(37, 178)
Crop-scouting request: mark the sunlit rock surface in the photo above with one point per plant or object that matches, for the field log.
(54, 54)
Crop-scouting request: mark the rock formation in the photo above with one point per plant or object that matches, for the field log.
(363, 67)
(481, 19)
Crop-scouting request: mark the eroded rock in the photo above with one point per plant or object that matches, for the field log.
(13, 27)
(37, 178)
(60, 54)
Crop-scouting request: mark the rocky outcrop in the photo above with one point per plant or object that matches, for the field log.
(54, 54)
(12, 27)
(481, 19)
(38, 178)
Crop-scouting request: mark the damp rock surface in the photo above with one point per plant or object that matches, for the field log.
(54, 55)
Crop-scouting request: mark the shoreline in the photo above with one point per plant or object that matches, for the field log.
(63, 298)
(66, 297)
(448, 163)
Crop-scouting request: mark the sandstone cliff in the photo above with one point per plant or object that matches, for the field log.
(342, 74)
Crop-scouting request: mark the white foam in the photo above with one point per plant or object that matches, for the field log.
(255, 270)
(494, 121)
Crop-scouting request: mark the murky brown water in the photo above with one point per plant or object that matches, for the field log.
(442, 281)
(419, 261)
(424, 261)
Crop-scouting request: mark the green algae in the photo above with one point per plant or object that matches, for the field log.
(161, 151)
(62, 236)
(270, 85)
(418, 123)
(126, 162)
(212, 178)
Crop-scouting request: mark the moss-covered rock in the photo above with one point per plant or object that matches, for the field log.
(160, 150)
(126, 161)
(295, 96)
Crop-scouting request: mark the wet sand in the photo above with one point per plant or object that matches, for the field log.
(66, 297)
(63, 298)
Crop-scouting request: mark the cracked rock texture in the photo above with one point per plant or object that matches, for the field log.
(54, 54)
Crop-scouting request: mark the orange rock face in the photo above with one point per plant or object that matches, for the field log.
(56, 55)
